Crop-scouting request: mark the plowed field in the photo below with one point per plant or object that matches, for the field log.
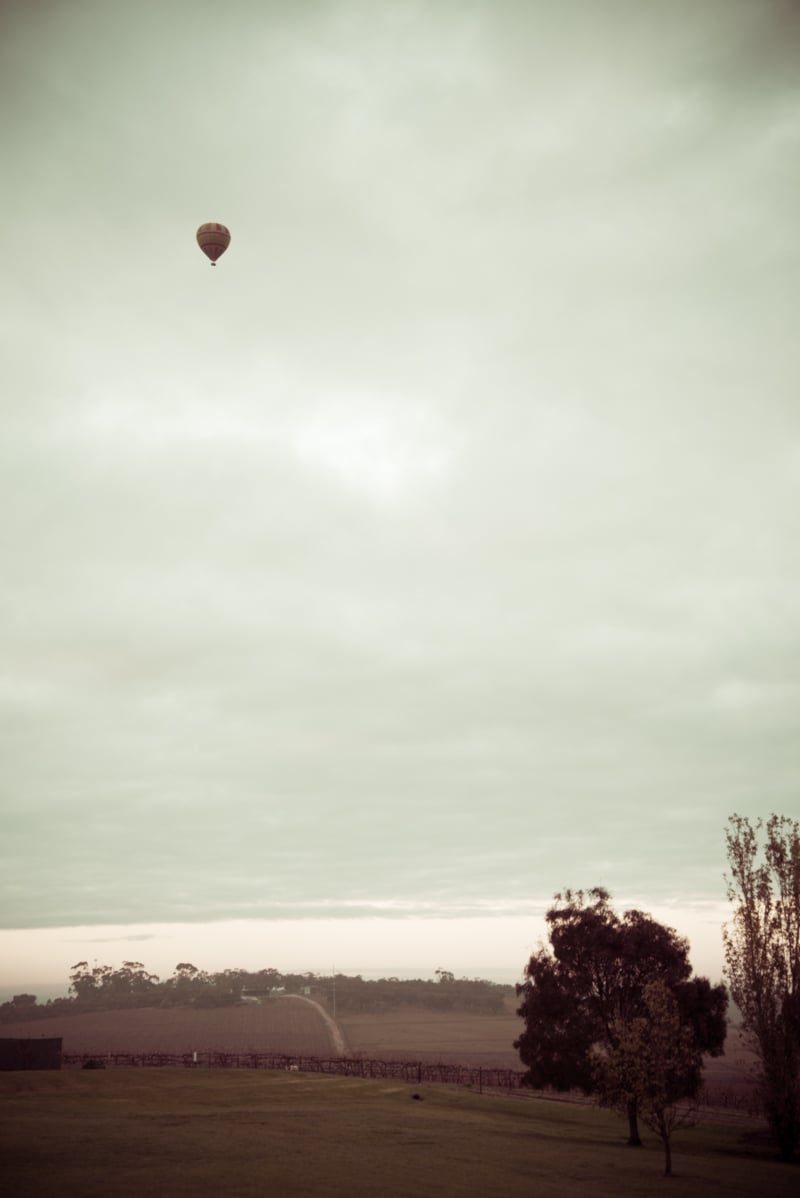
(487, 1040)
(292, 1027)
(297, 1028)
(419, 1034)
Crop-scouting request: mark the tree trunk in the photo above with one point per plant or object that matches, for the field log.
(667, 1157)
(633, 1125)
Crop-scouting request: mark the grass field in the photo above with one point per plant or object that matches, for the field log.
(124, 1132)
(290, 1026)
(296, 1028)
(411, 1033)
(415, 1032)
(284, 1025)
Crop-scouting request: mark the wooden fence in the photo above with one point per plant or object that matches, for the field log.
(408, 1071)
(480, 1078)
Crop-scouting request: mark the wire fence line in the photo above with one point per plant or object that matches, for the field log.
(743, 1101)
(410, 1071)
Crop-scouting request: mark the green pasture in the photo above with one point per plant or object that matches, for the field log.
(176, 1132)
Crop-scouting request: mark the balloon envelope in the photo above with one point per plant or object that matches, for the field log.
(213, 240)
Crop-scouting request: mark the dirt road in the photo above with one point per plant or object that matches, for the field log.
(337, 1039)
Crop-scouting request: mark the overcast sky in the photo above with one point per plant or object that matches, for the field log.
(438, 549)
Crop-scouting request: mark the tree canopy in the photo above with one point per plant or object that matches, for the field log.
(592, 980)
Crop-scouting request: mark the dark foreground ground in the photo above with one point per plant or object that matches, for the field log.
(117, 1133)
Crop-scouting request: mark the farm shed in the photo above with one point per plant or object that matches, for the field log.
(44, 1053)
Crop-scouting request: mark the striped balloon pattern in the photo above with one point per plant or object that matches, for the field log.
(213, 240)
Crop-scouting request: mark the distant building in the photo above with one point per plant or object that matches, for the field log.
(44, 1053)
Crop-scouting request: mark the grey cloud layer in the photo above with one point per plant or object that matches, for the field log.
(439, 548)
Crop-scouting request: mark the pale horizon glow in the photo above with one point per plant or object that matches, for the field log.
(495, 947)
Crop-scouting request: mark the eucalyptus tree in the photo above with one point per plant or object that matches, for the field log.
(591, 981)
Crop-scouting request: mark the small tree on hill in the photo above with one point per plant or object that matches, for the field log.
(762, 956)
(86, 984)
(24, 1002)
(21, 1007)
(655, 1062)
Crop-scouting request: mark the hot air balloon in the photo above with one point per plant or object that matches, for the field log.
(213, 240)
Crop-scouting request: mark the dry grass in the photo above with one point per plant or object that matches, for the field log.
(239, 1133)
(281, 1026)
(419, 1034)
(416, 1033)
(295, 1028)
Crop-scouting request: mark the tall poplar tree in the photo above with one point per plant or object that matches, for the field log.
(762, 956)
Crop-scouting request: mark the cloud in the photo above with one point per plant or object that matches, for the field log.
(113, 939)
(437, 548)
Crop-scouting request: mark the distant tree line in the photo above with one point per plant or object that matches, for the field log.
(104, 988)
(446, 993)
